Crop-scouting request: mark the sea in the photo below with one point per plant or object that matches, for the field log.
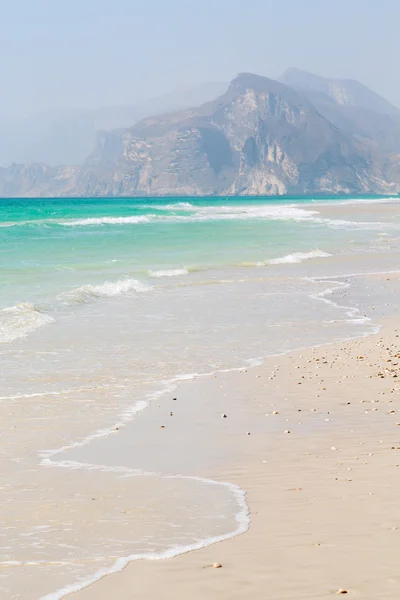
(105, 306)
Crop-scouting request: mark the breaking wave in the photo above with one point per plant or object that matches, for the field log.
(168, 273)
(176, 206)
(298, 257)
(200, 214)
(244, 212)
(106, 221)
(108, 289)
(19, 320)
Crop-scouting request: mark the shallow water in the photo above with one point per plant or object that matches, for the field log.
(104, 305)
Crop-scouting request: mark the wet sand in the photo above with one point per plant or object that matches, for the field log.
(321, 469)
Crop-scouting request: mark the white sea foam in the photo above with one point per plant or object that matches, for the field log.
(250, 211)
(49, 459)
(107, 221)
(89, 292)
(168, 273)
(8, 224)
(19, 320)
(205, 213)
(298, 257)
(176, 206)
(242, 516)
(242, 525)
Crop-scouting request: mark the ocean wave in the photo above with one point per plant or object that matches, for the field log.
(251, 211)
(298, 257)
(168, 272)
(32, 222)
(19, 320)
(176, 206)
(10, 223)
(132, 220)
(201, 214)
(89, 292)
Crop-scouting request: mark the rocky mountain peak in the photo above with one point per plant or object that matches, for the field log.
(261, 137)
(345, 92)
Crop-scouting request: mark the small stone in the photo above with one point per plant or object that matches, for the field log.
(224, 416)
(333, 448)
(171, 414)
(276, 412)
(217, 565)
(248, 433)
(287, 431)
(342, 591)
(162, 426)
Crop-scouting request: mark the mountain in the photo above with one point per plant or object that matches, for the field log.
(68, 136)
(352, 107)
(344, 92)
(259, 138)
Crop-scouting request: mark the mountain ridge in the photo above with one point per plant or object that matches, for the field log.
(345, 92)
(261, 137)
(68, 136)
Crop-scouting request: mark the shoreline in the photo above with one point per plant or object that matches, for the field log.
(199, 379)
(145, 572)
(171, 385)
(164, 486)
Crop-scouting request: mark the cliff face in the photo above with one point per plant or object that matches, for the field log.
(357, 111)
(67, 136)
(260, 138)
(344, 92)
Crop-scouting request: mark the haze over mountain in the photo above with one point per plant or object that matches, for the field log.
(316, 136)
(68, 136)
(344, 92)
(352, 107)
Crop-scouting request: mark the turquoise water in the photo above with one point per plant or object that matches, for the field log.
(103, 305)
(50, 246)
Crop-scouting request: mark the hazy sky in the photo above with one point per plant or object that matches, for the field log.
(91, 53)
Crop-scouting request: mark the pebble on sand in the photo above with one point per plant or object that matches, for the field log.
(224, 416)
(342, 591)
(217, 565)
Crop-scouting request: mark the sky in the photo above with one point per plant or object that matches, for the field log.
(91, 53)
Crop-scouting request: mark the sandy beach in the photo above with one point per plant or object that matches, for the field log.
(313, 437)
(245, 414)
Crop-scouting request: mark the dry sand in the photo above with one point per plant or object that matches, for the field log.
(324, 498)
